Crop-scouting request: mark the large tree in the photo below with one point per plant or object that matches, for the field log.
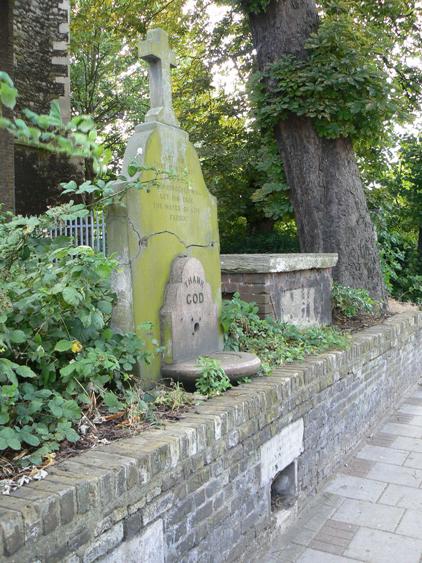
(329, 80)
(109, 82)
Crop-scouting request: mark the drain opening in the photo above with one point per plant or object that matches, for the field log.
(284, 488)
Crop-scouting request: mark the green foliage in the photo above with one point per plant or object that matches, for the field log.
(213, 379)
(351, 302)
(77, 137)
(8, 92)
(350, 84)
(237, 238)
(274, 342)
(396, 203)
(240, 163)
(57, 349)
(56, 346)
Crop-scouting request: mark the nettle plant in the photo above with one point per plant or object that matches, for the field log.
(212, 380)
(57, 350)
(274, 342)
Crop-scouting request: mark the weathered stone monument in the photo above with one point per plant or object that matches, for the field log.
(167, 238)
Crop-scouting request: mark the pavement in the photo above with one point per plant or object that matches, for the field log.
(371, 510)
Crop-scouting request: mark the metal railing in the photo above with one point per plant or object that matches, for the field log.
(85, 231)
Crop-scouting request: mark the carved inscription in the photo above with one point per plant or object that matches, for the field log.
(181, 203)
(189, 315)
(196, 296)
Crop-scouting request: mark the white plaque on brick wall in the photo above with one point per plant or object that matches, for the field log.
(146, 547)
(281, 450)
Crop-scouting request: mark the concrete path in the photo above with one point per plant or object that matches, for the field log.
(372, 509)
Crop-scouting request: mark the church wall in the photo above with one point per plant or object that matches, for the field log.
(39, 37)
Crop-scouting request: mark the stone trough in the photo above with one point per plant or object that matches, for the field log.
(293, 288)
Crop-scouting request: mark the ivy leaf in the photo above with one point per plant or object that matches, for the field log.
(8, 95)
(10, 436)
(132, 169)
(55, 407)
(105, 307)
(112, 402)
(67, 370)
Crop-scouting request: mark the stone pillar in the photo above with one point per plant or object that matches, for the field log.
(7, 152)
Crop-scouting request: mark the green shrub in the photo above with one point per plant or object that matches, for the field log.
(351, 303)
(272, 341)
(56, 346)
(213, 379)
(57, 350)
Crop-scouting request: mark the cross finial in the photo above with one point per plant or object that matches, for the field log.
(156, 51)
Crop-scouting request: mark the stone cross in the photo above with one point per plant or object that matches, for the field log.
(156, 51)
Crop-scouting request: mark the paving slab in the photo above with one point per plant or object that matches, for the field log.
(315, 556)
(355, 487)
(409, 444)
(404, 497)
(403, 429)
(362, 513)
(376, 546)
(411, 524)
(380, 453)
(396, 474)
(414, 459)
(411, 409)
(415, 420)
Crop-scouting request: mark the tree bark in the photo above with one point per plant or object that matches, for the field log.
(326, 191)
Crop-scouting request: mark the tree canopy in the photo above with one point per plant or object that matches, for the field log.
(357, 78)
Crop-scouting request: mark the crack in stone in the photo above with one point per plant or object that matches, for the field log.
(144, 240)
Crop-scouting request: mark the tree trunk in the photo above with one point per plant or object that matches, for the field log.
(326, 191)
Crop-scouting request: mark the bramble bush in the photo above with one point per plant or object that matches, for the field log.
(58, 353)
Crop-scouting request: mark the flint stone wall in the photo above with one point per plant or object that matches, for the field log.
(199, 490)
(35, 54)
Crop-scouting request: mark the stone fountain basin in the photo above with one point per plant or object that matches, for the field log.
(235, 364)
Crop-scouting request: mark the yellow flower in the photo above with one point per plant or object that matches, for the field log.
(76, 347)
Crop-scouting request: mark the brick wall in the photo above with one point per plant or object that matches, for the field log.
(199, 490)
(41, 34)
(301, 297)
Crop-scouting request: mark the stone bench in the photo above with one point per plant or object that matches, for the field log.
(293, 288)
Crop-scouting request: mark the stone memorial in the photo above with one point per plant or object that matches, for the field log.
(166, 238)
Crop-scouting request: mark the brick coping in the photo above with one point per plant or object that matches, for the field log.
(117, 473)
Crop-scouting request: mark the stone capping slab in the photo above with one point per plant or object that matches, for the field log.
(109, 483)
(273, 263)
